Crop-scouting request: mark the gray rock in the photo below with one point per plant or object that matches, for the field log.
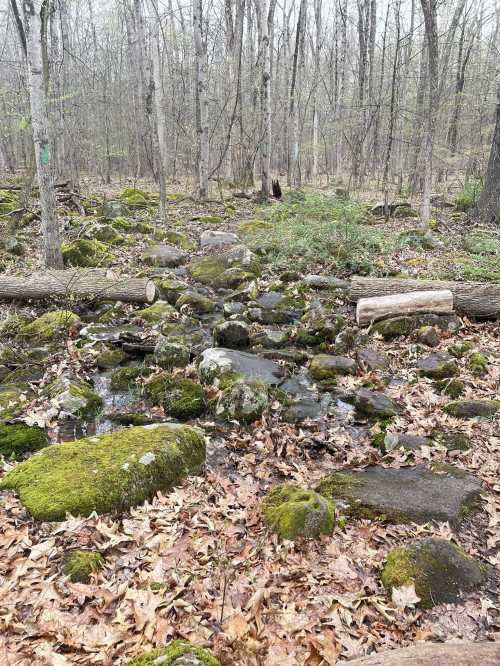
(373, 403)
(196, 302)
(218, 361)
(232, 308)
(428, 336)
(270, 316)
(407, 494)
(112, 209)
(371, 359)
(405, 325)
(233, 334)
(469, 409)
(110, 333)
(166, 256)
(271, 339)
(405, 440)
(243, 401)
(304, 401)
(211, 238)
(270, 299)
(324, 366)
(439, 365)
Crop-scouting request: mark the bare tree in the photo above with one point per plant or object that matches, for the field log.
(488, 205)
(201, 99)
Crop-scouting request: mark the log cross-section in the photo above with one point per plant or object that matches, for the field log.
(380, 307)
(91, 284)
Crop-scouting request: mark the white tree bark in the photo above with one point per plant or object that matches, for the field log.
(202, 98)
(39, 124)
(161, 128)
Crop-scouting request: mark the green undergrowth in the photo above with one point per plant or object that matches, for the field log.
(319, 229)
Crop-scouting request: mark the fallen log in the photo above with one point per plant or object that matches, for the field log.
(94, 284)
(380, 307)
(476, 299)
(436, 654)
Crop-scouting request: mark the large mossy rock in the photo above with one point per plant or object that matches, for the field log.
(177, 653)
(233, 334)
(293, 512)
(218, 363)
(85, 253)
(157, 312)
(19, 438)
(407, 324)
(410, 494)
(375, 404)
(135, 198)
(325, 367)
(469, 409)
(179, 239)
(243, 401)
(439, 571)
(180, 398)
(50, 324)
(172, 352)
(227, 269)
(196, 302)
(111, 472)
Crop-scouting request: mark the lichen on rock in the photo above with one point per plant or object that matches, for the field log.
(243, 401)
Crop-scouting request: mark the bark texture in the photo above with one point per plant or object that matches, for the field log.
(433, 654)
(380, 307)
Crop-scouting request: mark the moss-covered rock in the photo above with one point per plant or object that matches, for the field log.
(50, 325)
(123, 379)
(113, 210)
(227, 269)
(179, 239)
(394, 327)
(439, 365)
(75, 398)
(254, 225)
(172, 353)
(439, 571)
(170, 289)
(453, 441)
(208, 219)
(110, 358)
(459, 350)
(325, 367)
(177, 653)
(217, 363)
(85, 253)
(135, 198)
(106, 473)
(478, 363)
(106, 233)
(180, 398)
(242, 401)
(428, 336)
(19, 438)
(79, 565)
(10, 401)
(375, 404)
(196, 302)
(293, 512)
(453, 387)
(469, 409)
(233, 334)
(157, 312)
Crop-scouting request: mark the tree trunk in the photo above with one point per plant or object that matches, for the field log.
(161, 129)
(202, 99)
(96, 284)
(39, 123)
(488, 205)
(476, 299)
(435, 654)
(381, 307)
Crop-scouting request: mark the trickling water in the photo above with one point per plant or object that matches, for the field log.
(112, 401)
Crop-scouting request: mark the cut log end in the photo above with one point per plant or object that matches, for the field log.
(150, 292)
(369, 310)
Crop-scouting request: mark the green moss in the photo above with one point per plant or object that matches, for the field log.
(85, 253)
(18, 438)
(243, 401)
(123, 224)
(79, 565)
(468, 409)
(176, 653)
(123, 379)
(453, 441)
(460, 350)
(170, 289)
(209, 219)
(339, 485)
(135, 198)
(157, 312)
(180, 398)
(172, 353)
(106, 473)
(108, 234)
(227, 270)
(452, 387)
(110, 358)
(293, 512)
(254, 225)
(393, 328)
(10, 403)
(197, 302)
(76, 398)
(181, 240)
(478, 363)
(50, 324)
(132, 418)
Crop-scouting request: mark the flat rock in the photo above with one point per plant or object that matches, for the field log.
(371, 359)
(439, 365)
(219, 361)
(373, 403)
(324, 366)
(166, 256)
(211, 238)
(409, 494)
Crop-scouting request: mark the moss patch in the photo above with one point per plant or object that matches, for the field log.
(107, 473)
(179, 397)
(79, 565)
(110, 358)
(181, 240)
(157, 312)
(468, 409)
(292, 512)
(176, 653)
(85, 253)
(478, 363)
(18, 438)
(50, 324)
(123, 379)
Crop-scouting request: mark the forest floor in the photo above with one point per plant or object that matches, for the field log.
(198, 562)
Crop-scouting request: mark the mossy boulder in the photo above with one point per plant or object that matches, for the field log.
(179, 239)
(75, 398)
(478, 363)
(439, 571)
(79, 565)
(8, 201)
(106, 233)
(172, 353)
(170, 289)
(135, 198)
(325, 367)
(469, 409)
(85, 253)
(196, 302)
(233, 334)
(403, 495)
(180, 398)
(113, 210)
(50, 325)
(439, 365)
(227, 269)
(157, 312)
(453, 387)
(451, 440)
(19, 438)
(374, 404)
(218, 362)
(242, 401)
(123, 379)
(208, 219)
(110, 358)
(111, 472)
(293, 512)
(394, 327)
(177, 653)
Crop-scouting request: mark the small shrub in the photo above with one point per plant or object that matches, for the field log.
(469, 195)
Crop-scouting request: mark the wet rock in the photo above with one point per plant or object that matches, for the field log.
(107, 473)
(428, 336)
(110, 333)
(409, 494)
(375, 404)
(324, 367)
(325, 282)
(293, 512)
(233, 334)
(218, 362)
(439, 365)
(271, 339)
(167, 256)
(243, 401)
(180, 398)
(469, 409)
(371, 359)
(196, 302)
(171, 353)
(439, 571)
(217, 239)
